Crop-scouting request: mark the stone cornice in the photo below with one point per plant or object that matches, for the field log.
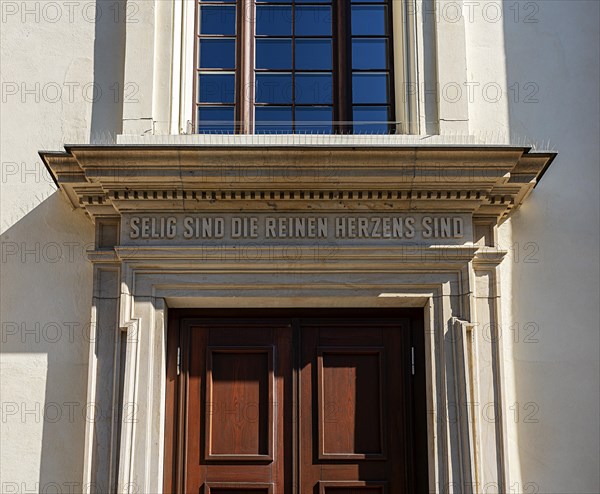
(110, 180)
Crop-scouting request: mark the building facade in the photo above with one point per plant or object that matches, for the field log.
(300, 246)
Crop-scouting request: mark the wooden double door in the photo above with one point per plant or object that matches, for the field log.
(273, 405)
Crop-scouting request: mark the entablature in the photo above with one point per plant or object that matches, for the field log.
(107, 181)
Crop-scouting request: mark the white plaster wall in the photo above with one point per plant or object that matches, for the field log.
(553, 45)
(543, 56)
(43, 363)
(554, 251)
(52, 52)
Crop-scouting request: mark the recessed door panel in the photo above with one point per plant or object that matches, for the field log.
(237, 488)
(356, 487)
(239, 403)
(350, 403)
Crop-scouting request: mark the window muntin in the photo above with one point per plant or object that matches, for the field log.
(316, 66)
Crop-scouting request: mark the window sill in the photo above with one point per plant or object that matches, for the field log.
(303, 140)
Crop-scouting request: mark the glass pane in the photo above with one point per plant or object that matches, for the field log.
(273, 1)
(369, 88)
(217, 19)
(314, 120)
(313, 54)
(273, 120)
(273, 21)
(273, 53)
(369, 54)
(367, 119)
(216, 88)
(217, 54)
(314, 88)
(274, 88)
(314, 1)
(217, 119)
(369, 20)
(313, 21)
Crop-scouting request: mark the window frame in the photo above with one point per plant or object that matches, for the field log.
(341, 70)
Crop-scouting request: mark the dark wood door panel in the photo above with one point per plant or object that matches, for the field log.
(301, 405)
(349, 400)
(237, 488)
(353, 380)
(238, 407)
(356, 487)
(239, 403)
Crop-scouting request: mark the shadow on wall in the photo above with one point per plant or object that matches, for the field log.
(46, 288)
(45, 305)
(552, 57)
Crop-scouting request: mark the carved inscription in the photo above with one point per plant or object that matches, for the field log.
(295, 227)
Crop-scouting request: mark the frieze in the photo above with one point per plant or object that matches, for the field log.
(188, 229)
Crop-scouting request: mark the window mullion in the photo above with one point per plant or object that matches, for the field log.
(342, 69)
(246, 66)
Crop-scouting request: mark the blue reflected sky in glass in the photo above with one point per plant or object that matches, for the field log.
(259, 2)
(369, 53)
(313, 120)
(313, 21)
(217, 19)
(370, 114)
(313, 54)
(217, 88)
(273, 20)
(274, 88)
(369, 88)
(369, 20)
(273, 120)
(216, 119)
(217, 53)
(310, 54)
(273, 53)
(314, 88)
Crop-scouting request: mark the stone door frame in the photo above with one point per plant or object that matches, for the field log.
(456, 282)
